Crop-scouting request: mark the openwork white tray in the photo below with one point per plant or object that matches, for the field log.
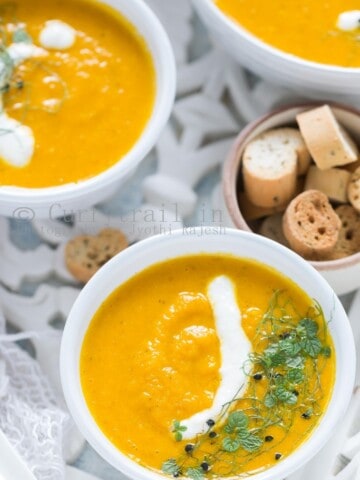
(176, 187)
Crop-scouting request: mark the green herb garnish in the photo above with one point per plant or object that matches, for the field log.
(178, 430)
(195, 473)
(6, 69)
(284, 383)
(171, 467)
(21, 36)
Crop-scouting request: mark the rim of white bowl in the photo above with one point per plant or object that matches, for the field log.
(218, 15)
(123, 265)
(148, 26)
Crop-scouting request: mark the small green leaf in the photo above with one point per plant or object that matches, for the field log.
(295, 375)
(311, 346)
(251, 442)
(271, 349)
(231, 444)
(7, 68)
(309, 326)
(270, 400)
(285, 396)
(237, 420)
(177, 430)
(178, 436)
(5, 88)
(278, 359)
(308, 413)
(21, 36)
(279, 379)
(265, 361)
(170, 467)
(295, 362)
(326, 351)
(195, 473)
(290, 347)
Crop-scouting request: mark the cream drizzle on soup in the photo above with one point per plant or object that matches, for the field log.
(79, 80)
(235, 348)
(152, 357)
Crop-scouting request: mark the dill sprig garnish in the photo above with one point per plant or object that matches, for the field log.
(10, 81)
(284, 384)
(6, 69)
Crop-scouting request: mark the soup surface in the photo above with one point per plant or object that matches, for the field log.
(305, 28)
(154, 355)
(86, 104)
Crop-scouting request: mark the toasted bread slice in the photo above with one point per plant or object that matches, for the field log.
(327, 141)
(291, 137)
(333, 182)
(252, 212)
(272, 228)
(354, 189)
(311, 226)
(270, 169)
(85, 254)
(349, 237)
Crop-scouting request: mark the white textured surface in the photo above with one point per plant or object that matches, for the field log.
(72, 473)
(216, 98)
(31, 417)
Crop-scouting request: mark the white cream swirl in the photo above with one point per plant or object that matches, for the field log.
(235, 348)
(348, 21)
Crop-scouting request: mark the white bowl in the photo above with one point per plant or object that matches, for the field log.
(272, 63)
(342, 274)
(160, 248)
(28, 203)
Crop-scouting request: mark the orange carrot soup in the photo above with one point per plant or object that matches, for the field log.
(78, 87)
(324, 32)
(207, 366)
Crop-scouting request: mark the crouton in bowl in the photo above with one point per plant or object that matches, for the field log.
(261, 180)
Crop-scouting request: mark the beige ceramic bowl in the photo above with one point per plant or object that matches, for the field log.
(343, 274)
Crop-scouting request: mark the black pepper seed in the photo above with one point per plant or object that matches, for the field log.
(306, 415)
(278, 456)
(205, 466)
(210, 422)
(177, 474)
(257, 376)
(212, 434)
(269, 438)
(296, 393)
(189, 447)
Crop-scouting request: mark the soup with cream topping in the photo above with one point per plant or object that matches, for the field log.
(207, 365)
(77, 86)
(324, 32)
